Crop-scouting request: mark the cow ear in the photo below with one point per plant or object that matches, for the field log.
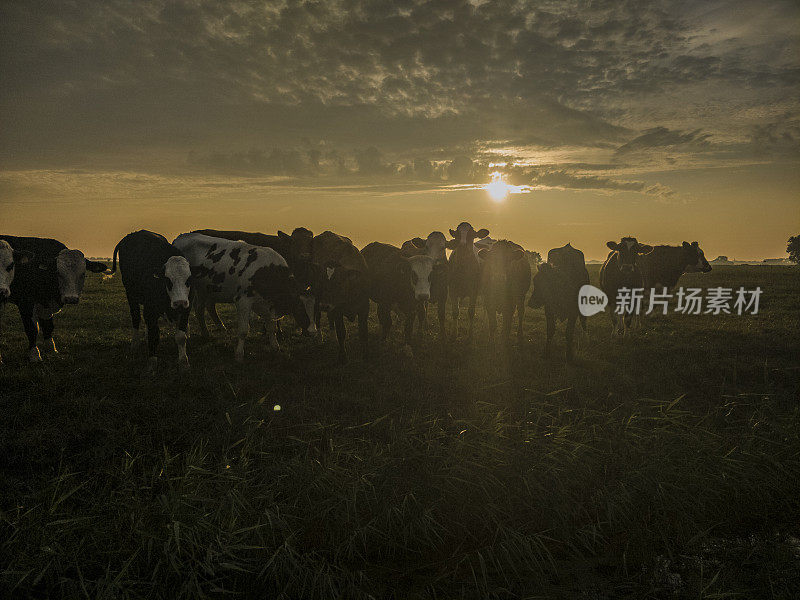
(283, 235)
(481, 233)
(452, 233)
(686, 245)
(96, 266)
(483, 254)
(612, 245)
(418, 242)
(451, 244)
(22, 257)
(695, 244)
(644, 248)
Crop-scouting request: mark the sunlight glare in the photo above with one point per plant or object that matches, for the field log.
(498, 189)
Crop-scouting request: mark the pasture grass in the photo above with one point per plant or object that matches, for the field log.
(667, 466)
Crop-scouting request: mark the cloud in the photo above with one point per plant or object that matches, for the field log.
(565, 180)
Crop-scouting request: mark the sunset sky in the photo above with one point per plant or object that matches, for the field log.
(667, 120)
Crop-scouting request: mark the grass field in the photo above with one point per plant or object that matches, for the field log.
(667, 467)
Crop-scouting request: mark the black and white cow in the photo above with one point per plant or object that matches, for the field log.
(9, 259)
(397, 282)
(53, 278)
(434, 246)
(296, 248)
(156, 276)
(254, 278)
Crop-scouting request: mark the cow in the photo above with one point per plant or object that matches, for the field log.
(464, 271)
(398, 282)
(555, 287)
(42, 286)
(342, 287)
(434, 246)
(156, 276)
(254, 278)
(620, 270)
(665, 264)
(296, 249)
(9, 259)
(505, 279)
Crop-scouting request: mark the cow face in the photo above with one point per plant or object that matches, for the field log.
(177, 278)
(421, 268)
(341, 285)
(694, 258)
(464, 235)
(9, 259)
(277, 285)
(434, 246)
(71, 273)
(627, 249)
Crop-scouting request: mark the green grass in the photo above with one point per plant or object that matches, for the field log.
(664, 467)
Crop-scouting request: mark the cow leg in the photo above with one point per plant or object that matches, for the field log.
(136, 318)
(242, 328)
(26, 313)
(455, 316)
(341, 333)
(508, 317)
(385, 320)
(212, 312)
(472, 300)
(520, 317)
(200, 314)
(272, 328)
(407, 332)
(491, 317)
(441, 309)
(551, 330)
(153, 334)
(570, 332)
(46, 328)
(363, 331)
(180, 339)
(422, 313)
(317, 319)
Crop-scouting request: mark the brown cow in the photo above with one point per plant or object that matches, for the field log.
(464, 271)
(622, 271)
(505, 279)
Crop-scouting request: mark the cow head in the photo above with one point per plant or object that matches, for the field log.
(694, 258)
(277, 285)
(464, 235)
(627, 249)
(339, 285)
(177, 276)
(9, 259)
(71, 272)
(420, 269)
(434, 246)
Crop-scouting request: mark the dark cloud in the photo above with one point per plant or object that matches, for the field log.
(566, 180)
(82, 81)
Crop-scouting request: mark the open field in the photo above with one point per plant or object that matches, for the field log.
(665, 467)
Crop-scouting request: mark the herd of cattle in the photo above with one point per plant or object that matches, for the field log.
(303, 275)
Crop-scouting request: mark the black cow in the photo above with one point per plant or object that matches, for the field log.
(505, 279)
(342, 287)
(398, 282)
(665, 264)
(622, 271)
(156, 276)
(45, 284)
(556, 286)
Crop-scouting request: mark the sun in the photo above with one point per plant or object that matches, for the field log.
(498, 188)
